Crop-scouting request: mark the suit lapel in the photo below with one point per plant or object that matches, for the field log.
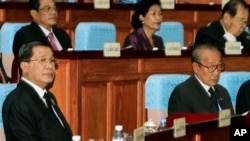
(203, 97)
(60, 114)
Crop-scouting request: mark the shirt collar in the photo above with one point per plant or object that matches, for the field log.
(45, 31)
(39, 90)
(206, 87)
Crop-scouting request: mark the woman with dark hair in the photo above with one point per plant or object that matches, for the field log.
(146, 21)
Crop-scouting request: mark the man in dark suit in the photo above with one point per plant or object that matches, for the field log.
(243, 98)
(44, 15)
(30, 112)
(230, 27)
(200, 93)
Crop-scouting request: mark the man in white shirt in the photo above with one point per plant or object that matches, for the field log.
(30, 111)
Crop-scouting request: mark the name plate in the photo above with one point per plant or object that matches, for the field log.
(172, 49)
(224, 118)
(179, 127)
(112, 50)
(233, 48)
(101, 4)
(138, 134)
(167, 4)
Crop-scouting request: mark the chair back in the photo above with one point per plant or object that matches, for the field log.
(158, 89)
(171, 32)
(7, 34)
(93, 35)
(5, 89)
(232, 82)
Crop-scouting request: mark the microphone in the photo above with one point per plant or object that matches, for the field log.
(127, 47)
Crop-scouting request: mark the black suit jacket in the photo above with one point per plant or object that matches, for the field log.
(33, 32)
(213, 34)
(190, 96)
(243, 98)
(26, 117)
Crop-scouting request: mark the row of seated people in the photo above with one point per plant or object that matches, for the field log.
(88, 35)
(149, 30)
(203, 69)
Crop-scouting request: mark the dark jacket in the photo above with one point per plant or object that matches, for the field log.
(213, 34)
(33, 32)
(26, 117)
(190, 96)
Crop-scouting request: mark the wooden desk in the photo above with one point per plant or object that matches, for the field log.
(95, 93)
(203, 131)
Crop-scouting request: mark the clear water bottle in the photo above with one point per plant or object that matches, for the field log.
(163, 124)
(117, 136)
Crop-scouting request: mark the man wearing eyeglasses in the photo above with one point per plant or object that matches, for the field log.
(30, 112)
(230, 27)
(201, 93)
(44, 15)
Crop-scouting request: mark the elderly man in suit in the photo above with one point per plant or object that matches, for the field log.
(230, 27)
(30, 112)
(200, 93)
(44, 15)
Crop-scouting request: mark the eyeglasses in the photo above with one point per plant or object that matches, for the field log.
(47, 9)
(241, 20)
(212, 68)
(44, 61)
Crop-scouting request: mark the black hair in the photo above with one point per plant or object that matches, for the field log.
(142, 8)
(26, 50)
(34, 4)
(231, 7)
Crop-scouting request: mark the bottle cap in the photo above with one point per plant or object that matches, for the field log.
(118, 127)
(163, 120)
(76, 137)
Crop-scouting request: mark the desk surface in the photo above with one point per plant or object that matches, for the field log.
(203, 131)
(134, 54)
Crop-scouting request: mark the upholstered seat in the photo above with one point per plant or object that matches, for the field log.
(171, 32)
(93, 35)
(5, 89)
(232, 82)
(158, 89)
(7, 34)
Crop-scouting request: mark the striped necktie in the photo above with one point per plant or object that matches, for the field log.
(52, 41)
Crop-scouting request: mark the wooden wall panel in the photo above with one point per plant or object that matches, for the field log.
(15, 15)
(236, 63)
(182, 65)
(125, 99)
(125, 66)
(182, 16)
(205, 17)
(94, 110)
(67, 94)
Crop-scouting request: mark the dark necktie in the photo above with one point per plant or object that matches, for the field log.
(51, 106)
(213, 97)
(52, 41)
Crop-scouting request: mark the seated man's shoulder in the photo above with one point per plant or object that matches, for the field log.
(246, 84)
